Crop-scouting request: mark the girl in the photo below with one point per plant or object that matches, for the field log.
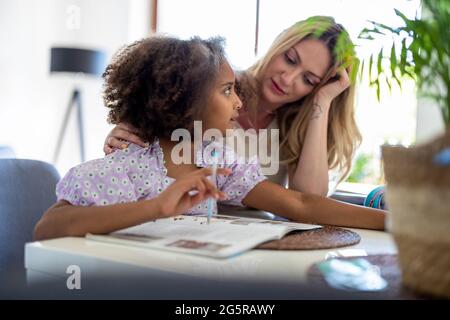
(158, 85)
(301, 87)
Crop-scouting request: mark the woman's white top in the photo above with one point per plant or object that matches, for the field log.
(270, 161)
(266, 144)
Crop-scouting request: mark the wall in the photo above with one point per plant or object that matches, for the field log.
(429, 119)
(33, 102)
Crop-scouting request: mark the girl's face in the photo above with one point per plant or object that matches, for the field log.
(223, 102)
(293, 74)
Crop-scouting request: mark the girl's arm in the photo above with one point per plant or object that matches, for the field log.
(309, 208)
(64, 219)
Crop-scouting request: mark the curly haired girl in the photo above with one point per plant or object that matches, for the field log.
(301, 86)
(158, 85)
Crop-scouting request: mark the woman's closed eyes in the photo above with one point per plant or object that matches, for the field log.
(292, 61)
(308, 82)
(289, 59)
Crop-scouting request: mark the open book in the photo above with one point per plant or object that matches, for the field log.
(225, 236)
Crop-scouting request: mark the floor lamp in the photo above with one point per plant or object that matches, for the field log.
(79, 61)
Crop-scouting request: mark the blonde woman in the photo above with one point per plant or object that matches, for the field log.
(301, 86)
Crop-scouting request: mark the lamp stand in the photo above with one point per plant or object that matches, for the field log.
(75, 100)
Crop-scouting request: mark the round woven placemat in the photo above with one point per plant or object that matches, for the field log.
(322, 238)
(389, 270)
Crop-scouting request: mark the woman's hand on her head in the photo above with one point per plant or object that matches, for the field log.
(120, 137)
(334, 88)
(189, 191)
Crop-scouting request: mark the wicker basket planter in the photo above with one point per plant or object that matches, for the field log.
(418, 195)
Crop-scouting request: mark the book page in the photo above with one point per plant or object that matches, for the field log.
(224, 229)
(221, 227)
(224, 236)
(283, 226)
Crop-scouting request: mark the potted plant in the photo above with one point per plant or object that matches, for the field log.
(418, 177)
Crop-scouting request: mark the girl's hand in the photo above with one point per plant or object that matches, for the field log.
(120, 137)
(178, 198)
(332, 89)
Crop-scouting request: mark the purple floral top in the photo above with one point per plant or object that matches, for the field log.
(137, 173)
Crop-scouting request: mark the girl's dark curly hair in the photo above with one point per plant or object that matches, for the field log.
(159, 84)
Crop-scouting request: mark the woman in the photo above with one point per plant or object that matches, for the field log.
(148, 85)
(301, 86)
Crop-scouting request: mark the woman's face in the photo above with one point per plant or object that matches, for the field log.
(223, 102)
(293, 74)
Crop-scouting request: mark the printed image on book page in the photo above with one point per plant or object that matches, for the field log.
(225, 236)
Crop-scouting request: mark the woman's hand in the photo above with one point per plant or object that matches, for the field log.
(120, 137)
(332, 89)
(189, 191)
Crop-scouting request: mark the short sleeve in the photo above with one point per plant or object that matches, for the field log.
(96, 183)
(244, 177)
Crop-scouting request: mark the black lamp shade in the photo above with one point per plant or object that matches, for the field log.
(92, 62)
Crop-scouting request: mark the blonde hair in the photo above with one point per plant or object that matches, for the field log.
(293, 118)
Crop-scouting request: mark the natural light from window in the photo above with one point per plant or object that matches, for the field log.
(392, 120)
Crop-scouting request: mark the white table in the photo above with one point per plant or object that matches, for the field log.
(49, 260)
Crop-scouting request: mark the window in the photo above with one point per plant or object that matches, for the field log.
(392, 120)
(233, 19)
